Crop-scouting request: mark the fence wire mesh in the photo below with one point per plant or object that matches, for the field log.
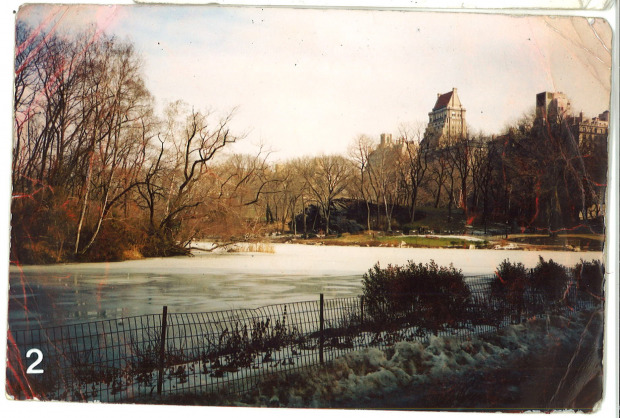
(232, 351)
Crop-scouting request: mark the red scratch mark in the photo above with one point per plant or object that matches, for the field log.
(42, 186)
(104, 20)
(565, 296)
(21, 376)
(70, 213)
(536, 211)
(23, 284)
(568, 229)
(67, 276)
(36, 33)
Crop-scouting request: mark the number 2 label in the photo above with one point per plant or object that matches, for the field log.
(32, 369)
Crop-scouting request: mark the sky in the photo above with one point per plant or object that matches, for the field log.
(497, 63)
(305, 82)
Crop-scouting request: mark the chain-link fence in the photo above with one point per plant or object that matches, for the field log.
(231, 351)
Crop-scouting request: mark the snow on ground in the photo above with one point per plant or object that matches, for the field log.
(463, 237)
(509, 246)
(547, 363)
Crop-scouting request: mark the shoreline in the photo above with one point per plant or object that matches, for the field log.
(376, 240)
(472, 242)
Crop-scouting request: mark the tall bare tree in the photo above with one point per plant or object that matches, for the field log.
(383, 176)
(416, 162)
(327, 177)
(189, 143)
(359, 153)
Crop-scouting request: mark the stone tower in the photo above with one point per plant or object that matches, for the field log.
(446, 122)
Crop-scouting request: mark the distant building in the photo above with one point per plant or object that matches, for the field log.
(386, 141)
(555, 107)
(388, 151)
(446, 122)
(590, 133)
(551, 107)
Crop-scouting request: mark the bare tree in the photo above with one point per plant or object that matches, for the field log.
(120, 131)
(383, 176)
(484, 158)
(459, 156)
(359, 153)
(439, 173)
(172, 185)
(79, 101)
(327, 177)
(416, 162)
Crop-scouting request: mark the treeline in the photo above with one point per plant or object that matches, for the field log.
(97, 174)
(534, 177)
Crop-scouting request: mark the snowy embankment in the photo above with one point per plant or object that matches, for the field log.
(547, 363)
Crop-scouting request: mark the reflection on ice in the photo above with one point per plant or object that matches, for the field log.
(70, 293)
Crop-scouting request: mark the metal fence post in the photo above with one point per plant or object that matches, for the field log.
(162, 350)
(362, 310)
(321, 325)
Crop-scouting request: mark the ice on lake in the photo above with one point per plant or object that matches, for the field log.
(72, 293)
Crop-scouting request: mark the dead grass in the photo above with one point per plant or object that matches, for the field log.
(377, 240)
(132, 254)
(253, 247)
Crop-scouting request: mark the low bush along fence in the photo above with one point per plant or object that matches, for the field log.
(231, 351)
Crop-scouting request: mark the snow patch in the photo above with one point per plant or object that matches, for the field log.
(374, 374)
(509, 246)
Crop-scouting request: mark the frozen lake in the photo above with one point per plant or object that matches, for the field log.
(72, 293)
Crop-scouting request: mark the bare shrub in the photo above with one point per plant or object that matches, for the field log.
(549, 278)
(427, 296)
(590, 277)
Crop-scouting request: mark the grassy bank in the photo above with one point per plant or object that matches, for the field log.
(568, 242)
(579, 242)
(378, 240)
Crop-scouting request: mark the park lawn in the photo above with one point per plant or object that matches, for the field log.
(594, 237)
(592, 242)
(375, 240)
(426, 241)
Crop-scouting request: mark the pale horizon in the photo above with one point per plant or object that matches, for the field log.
(306, 82)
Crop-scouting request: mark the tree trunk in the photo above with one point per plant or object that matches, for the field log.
(327, 213)
(303, 211)
(437, 196)
(99, 222)
(387, 215)
(450, 198)
(414, 198)
(84, 204)
(367, 215)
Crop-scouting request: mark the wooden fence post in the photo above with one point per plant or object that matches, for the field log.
(321, 327)
(162, 350)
